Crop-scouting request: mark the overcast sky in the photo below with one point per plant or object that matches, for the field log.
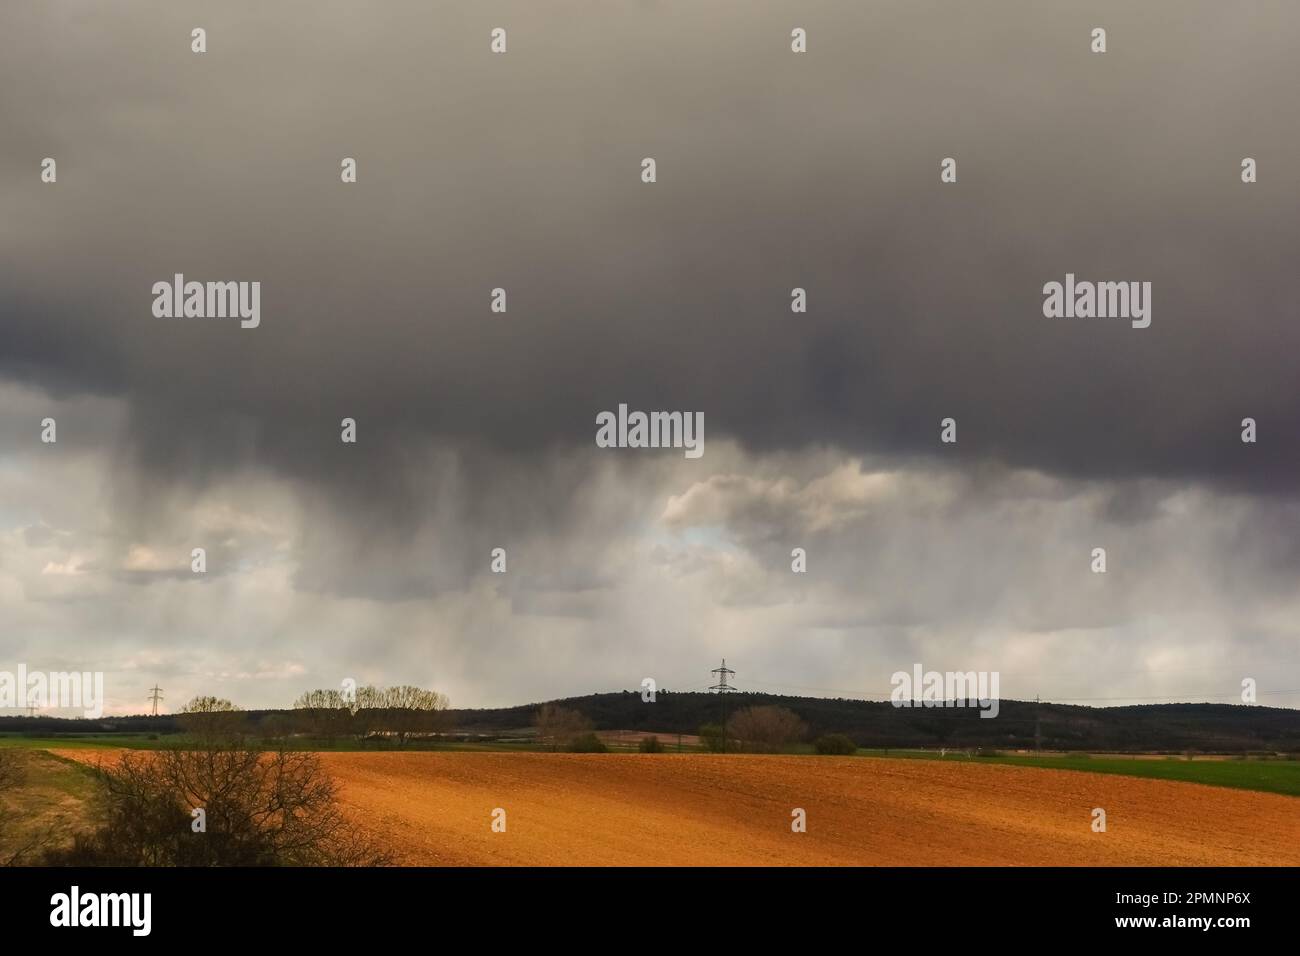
(819, 170)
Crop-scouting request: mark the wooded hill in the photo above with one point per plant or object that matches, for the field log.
(1219, 728)
(1207, 728)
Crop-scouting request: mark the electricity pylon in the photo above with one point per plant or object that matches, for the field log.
(723, 688)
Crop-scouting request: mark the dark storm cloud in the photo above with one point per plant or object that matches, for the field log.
(476, 430)
(775, 170)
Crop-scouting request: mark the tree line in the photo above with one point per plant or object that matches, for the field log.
(397, 714)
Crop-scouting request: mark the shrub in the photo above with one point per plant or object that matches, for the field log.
(837, 744)
(261, 809)
(587, 743)
(650, 745)
(711, 737)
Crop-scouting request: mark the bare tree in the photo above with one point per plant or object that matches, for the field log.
(559, 726)
(326, 713)
(767, 728)
(212, 718)
(363, 708)
(409, 710)
(400, 712)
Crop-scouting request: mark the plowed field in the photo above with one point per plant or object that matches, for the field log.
(683, 809)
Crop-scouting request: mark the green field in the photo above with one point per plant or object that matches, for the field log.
(1272, 775)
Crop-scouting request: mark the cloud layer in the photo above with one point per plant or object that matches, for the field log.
(476, 430)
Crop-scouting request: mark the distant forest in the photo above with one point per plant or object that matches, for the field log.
(1205, 728)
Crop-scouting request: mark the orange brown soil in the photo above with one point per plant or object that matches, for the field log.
(693, 809)
(687, 809)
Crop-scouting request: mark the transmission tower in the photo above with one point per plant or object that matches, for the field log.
(1038, 724)
(155, 694)
(723, 688)
(31, 710)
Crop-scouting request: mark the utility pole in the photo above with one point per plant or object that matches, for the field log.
(155, 695)
(723, 688)
(1038, 725)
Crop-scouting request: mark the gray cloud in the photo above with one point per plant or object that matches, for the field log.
(476, 430)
